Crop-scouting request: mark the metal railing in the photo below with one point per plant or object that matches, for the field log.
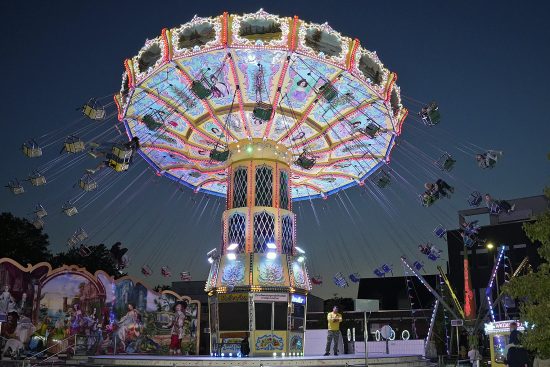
(27, 360)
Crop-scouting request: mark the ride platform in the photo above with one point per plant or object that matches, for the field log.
(199, 361)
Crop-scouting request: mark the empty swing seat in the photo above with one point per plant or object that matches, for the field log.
(93, 112)
(38, 223)
(201, 90)
(379, 273)
(31, 149)
(38, 180)
(87, 183)
(70, 210)
(371, 130)
(440, 231)
(84, 250)
(328, 92)
(74, 145)
(219, 155)
(40, 212)
(305, 162)
(446, 162)
(263, 111)
(16, 188)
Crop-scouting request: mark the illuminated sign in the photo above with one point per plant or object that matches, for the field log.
(296, 298)
(503, 326)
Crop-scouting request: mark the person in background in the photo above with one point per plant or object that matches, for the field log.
(334, 319)
(245, 347)
(474, 355)
(516, 355)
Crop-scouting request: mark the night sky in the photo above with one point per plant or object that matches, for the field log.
(484, 62)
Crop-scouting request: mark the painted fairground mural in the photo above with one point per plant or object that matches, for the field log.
(68, 310)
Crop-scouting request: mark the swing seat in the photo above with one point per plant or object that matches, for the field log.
(469, 242)
(40, 212)
(433, 257)
(446, 162)
(328, 92)
(120, 151)
(80, 235)
(165, 272)
(418, 265)
(74, 145)
(383, 181)
(475, 199)
(379, 273)
(263, 111)
(305, 162)
(38, 223)
(386, 268)
(218, 155)
(93, 112)
(70, 211)
(430, 114)
(201, 91)
(371, 130)
(16, 189)
(440, 231)
(146, 270)
(151, 123)
(87, 183)
(84, 250)
(38, 180)
(427, 200)
(355, 278)
(32, 150)
(118, 166)
(185, 276)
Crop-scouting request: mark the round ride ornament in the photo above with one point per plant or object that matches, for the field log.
(262, 110)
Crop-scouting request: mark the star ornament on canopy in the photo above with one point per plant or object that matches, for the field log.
(213, 86)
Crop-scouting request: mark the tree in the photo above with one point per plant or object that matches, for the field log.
(21, 241)
(98, 259)
(534, 288)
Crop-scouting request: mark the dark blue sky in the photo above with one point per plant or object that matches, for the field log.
(484, 62)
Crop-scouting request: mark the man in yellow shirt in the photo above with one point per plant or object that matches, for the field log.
(334, 319)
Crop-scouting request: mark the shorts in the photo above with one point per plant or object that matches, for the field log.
(175, 342)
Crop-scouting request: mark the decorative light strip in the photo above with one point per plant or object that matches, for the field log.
(393, 78)
(293, 36)
(432, 322)
(166, 41)
(353, 52)
(489, 290)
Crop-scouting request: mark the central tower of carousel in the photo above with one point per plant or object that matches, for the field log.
(262, 110)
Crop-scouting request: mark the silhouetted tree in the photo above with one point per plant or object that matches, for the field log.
(21, 241)
(98, 259)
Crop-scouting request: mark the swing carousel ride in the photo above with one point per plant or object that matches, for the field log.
(263, 111)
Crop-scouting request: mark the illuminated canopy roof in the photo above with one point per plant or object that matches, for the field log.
(319, 91)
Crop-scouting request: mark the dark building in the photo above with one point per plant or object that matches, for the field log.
(502, 229)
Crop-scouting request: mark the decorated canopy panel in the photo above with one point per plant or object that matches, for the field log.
(215, 81)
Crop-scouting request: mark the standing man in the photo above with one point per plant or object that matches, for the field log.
(334, 319)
